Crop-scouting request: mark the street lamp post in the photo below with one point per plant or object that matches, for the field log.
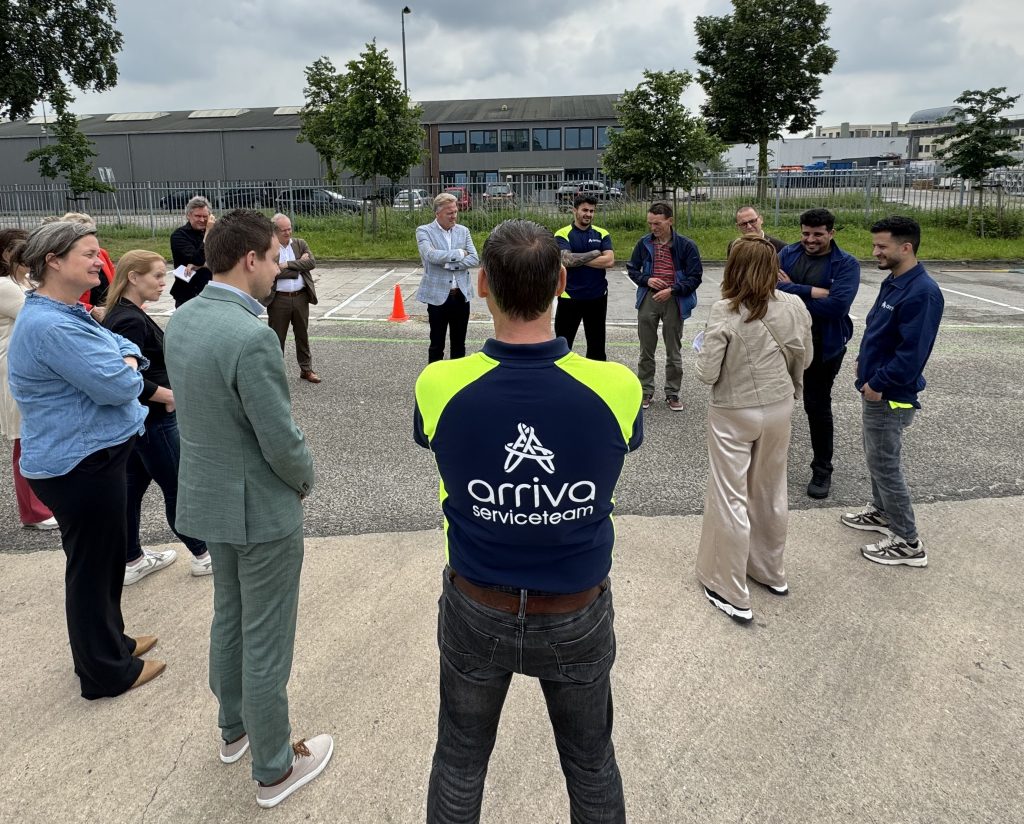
(405, 74)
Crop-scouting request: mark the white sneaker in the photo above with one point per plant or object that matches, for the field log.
(49, 523)
(151, 561)
(310, 758)
(202, 566)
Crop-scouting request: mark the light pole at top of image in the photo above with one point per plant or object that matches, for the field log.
(405, 74)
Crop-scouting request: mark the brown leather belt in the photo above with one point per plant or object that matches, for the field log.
(535, 604)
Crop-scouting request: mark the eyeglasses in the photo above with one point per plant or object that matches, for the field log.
(753, 222)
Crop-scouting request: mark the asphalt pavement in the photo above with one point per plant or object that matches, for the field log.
(868, 695)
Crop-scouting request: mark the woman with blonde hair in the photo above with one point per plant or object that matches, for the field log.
(14, 283)
(139, 278)
(755, 348)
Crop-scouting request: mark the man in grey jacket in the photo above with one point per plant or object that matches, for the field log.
(448, 254)
(244, 471)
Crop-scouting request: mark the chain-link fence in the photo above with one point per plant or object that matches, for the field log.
(855, 195)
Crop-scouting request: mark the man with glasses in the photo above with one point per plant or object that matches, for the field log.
(750, 222)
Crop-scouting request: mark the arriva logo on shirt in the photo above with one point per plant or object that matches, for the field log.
(888, 306)
(508, 500)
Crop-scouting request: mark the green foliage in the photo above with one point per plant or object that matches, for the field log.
(379, 133)
(71, 155)
(989, 223)
(761, 67)
(660, 143)
(979, 142)
(321, 115)
(42, 43)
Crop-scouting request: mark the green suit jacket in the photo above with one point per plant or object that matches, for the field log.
(244, 463)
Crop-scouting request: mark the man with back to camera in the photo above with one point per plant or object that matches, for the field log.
(587, 256)
(529, 441)
(667, 271)
(294, 293)
(244, 471)
(448, 254)
(826, 278)
(187, 250)
(899, 335)
(750, 222)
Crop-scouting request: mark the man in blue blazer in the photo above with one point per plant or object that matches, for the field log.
(448, 254)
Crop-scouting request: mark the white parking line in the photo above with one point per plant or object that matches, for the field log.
(986, 300)
(351, 298)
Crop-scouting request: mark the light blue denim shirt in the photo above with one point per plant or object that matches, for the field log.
(254, 305)
(75, 392)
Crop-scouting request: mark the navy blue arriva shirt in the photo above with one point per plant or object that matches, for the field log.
(529, 441)
(584, 282)
(899, 334)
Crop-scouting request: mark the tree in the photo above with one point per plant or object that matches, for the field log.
(46, 45)
(379, 133)
(321, 115)
(659, 143)
(71, 155)
(980, 141)
(761, 69)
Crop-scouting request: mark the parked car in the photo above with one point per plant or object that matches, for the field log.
(179, 198)
(317, 200)
(463, 198)
(257, 196)
(566, 195)
(385, 194)
(498, 195)
(411, 199)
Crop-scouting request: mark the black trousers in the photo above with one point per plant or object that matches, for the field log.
(453, 313)
(90, 504)
(568, 314)
(818, 380)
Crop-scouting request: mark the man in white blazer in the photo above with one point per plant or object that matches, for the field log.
(448, 254)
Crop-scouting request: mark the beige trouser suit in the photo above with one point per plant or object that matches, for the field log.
(754, 379)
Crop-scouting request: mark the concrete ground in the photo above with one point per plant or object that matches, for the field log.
(870, 694)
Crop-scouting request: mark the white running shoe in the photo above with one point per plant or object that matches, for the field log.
(201, 566)
(151, 561)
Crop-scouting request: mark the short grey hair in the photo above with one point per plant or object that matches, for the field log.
(277, 216)
(198, 202)
(443, 200)
(55, 238)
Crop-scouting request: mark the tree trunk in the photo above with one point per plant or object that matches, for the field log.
(762, 169)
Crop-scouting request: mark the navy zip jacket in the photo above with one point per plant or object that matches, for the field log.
(899, 336)
(831, 326)
(689, 271)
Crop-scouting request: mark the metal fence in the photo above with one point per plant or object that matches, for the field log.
(855, 194)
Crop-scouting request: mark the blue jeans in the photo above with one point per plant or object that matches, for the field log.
(155, 458)
(572, 657)
(883, 442)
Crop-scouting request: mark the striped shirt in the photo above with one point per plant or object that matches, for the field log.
(663, 267)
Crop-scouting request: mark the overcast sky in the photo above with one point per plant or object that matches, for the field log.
(894, 58)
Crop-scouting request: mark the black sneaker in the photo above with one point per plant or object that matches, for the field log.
(646, 402)
(820, 485)
(740, 616)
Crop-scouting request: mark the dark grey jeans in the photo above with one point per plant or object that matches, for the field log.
(883, 443)
(571, 655)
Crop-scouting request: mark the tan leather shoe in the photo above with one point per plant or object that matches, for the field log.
(310, 375)
(150, 670)
(143, 644)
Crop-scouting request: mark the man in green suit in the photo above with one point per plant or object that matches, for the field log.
(244, 471)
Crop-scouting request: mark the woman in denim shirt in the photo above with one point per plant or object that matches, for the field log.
(77, 385)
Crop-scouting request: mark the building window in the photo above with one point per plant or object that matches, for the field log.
(483, 141)
(926, 148)
(454, 178)
(579, 137)
(603, 133)
(515, 140)
(451, 142)
(579, 174)
(477, 176)
(546, 139)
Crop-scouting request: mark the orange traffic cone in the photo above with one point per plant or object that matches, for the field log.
(398, 308)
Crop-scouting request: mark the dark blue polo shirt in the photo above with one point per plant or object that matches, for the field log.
(584, 282)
